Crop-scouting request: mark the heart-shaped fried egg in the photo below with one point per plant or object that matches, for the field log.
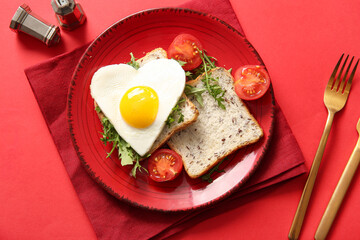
(138, 102)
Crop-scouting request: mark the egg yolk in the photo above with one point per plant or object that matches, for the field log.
(139, 106)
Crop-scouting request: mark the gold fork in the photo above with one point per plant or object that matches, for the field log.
(336, 94)
(340, 191)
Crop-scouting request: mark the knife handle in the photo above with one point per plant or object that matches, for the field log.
(339, 193)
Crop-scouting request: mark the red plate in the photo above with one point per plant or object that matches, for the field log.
(141, 33)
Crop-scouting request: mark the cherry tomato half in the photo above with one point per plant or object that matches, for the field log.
(164, 165)
(185, 47)
(251, 82)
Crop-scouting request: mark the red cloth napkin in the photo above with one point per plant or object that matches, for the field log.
(114, 219)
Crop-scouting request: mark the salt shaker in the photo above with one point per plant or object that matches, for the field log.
(24, 20)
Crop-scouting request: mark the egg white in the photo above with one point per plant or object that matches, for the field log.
(110, 83)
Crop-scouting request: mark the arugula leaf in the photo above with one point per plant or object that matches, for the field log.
(182, 63)
(97, 109)
(188, 74)
(136, 167)
(133, 62)
(176, 111)
(127, 155)
(214, 89)
(190, 90)
(210, 83)
(208, 63)
(207, 177)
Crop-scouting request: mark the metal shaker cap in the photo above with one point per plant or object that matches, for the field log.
(63, 7)
(25, 21)
(69, 14)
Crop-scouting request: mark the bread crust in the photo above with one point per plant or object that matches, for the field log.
(167, 132)
(178, 141)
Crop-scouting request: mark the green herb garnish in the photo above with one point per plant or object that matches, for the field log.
(176, 112)
(188, 74)
(214, 89)
(190, 90)
(133, 62)
(127, 155)
(207, 177)
(182, 63)
(210, 83)
(208, 63)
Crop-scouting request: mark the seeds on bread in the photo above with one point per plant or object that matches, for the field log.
(216, 132)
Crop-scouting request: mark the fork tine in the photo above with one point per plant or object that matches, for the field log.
(343, 81)
(332, 77)
(348, 85)
(339, 79)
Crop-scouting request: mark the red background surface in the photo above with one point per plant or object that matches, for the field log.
(299, 41)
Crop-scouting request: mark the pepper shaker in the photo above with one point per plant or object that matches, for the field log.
(69, 14)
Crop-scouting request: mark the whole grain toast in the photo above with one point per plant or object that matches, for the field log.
(188, 109)
(216, 132)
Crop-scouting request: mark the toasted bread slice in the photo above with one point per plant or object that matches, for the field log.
(188, 109)
(216, 132)
(157, 53)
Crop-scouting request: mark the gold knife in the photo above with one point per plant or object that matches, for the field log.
(340, 191)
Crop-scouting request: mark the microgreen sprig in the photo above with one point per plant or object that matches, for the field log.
(133, 62)
(191, 90)
(210, 83)
(176, 111)
(207, 177)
